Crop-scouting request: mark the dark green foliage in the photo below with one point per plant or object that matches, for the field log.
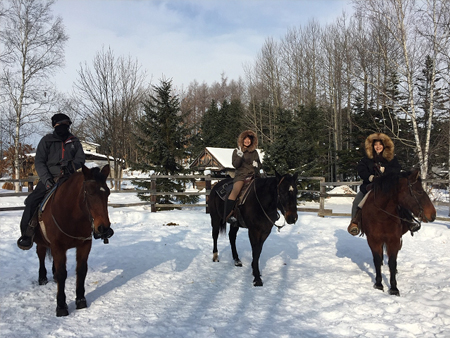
(161, 141)
(300, 143)
(222, 125)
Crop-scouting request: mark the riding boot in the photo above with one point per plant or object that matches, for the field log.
(354, 229)
(25, 242)
(230, 218)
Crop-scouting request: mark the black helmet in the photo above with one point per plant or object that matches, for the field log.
(60, 118)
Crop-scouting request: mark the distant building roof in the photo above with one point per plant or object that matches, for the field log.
(216, 159)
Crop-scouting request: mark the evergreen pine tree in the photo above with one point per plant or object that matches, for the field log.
(161, 141)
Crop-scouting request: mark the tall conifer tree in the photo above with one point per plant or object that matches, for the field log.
(161, 140)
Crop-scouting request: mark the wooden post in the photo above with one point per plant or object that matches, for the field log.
(208, 190)
(153, 194)
(322, 197)
(30, 183)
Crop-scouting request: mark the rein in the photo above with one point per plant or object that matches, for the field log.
(91, 219)
(264, 211)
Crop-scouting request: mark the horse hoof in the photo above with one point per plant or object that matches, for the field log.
(257, 283)
(215, 257)
(81, 303)
(43, 281)
(394, 292)
(62, 311)
(378, 287)
(237, 262)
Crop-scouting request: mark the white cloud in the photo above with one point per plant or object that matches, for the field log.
(182, 40)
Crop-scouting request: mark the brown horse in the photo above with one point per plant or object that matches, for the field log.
(76, 211)
(383, 218)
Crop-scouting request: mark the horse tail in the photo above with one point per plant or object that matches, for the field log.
(223, 227)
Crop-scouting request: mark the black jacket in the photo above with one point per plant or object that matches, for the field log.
(52, 152)
(371, 163)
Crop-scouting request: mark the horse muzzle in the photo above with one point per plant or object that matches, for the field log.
(291, 218)
(103, 233)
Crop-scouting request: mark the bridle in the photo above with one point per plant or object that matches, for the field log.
(91, 219)
(281, 205)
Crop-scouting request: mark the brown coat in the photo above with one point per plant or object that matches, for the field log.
(244, 165)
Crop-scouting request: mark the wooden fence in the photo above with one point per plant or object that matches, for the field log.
(205, 182)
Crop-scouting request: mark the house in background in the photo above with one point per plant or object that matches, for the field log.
(95, 159)
(217, 160)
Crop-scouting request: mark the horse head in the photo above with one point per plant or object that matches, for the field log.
(287, 196)
(96, 194)
(415, 199)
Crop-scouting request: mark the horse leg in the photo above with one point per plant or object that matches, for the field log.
(41, 252)
(392, 254)
(59, 260)
(82, 267)
(215, 235)
(377, 253)
(257, 241)
(232, 234)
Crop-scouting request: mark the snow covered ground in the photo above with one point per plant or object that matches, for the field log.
(156, 280)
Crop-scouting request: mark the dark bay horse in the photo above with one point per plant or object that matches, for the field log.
(76, 211)
(259, 213)
(384, 222)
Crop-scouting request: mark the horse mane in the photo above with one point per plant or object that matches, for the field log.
(389, 183)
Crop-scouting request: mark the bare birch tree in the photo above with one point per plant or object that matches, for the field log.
(32, 48)
(109, 95)
(402, 20)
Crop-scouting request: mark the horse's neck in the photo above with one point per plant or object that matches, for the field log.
(385, 201)
(266, 187)
(71, 191)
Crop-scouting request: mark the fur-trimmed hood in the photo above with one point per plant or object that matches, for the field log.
(388, 151)
(253, 137)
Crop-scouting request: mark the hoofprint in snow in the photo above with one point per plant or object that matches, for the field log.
(156, 278)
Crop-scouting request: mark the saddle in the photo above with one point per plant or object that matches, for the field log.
(225, 191)
(41, 207)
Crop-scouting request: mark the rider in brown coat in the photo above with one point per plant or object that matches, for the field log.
(246, 161)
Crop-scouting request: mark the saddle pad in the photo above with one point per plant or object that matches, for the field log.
(46, 198)
(225, 190)
(43, 230)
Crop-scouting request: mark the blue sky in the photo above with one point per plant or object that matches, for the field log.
(182, 40)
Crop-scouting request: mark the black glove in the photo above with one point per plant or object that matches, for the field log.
(49, 184)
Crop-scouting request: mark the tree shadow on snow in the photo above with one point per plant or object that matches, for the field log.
(137, 258)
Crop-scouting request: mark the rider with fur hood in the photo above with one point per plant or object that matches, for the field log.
(246, 160)
(379, 160)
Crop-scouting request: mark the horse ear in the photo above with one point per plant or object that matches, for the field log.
(106, 170)
(295, 177)
(416, 174)
(86, 171)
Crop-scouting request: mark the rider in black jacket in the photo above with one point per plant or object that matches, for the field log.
(59, 153)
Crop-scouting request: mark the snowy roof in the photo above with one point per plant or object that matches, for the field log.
(222, 157)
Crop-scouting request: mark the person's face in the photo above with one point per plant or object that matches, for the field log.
(378, 147)
(247, 141)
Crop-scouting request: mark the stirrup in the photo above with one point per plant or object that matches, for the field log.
(232, 219)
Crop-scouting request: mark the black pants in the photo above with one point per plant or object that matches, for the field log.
(31, 204)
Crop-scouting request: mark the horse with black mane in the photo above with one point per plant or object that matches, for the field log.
(258, 214)
(390, 206)
(72, 214)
